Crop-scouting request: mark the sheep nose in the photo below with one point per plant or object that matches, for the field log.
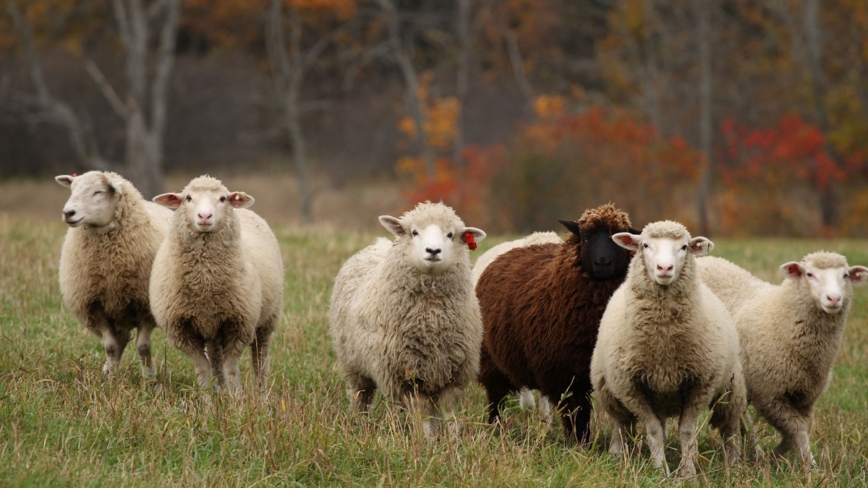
(834, 299)
(603, 261)
(204, 216)
(67, 214)
(432, 252)
(665, 268)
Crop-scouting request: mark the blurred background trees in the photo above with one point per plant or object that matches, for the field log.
(734, 116)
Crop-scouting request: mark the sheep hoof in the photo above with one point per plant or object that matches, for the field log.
(685, 471)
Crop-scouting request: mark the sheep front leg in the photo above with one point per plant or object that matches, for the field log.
(423, 406)
(259, 356)
(695, 399)
(113, 341)
(624, 420)
(143, 347)
(230, 371)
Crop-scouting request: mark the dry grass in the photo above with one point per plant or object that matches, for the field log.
(63, 424)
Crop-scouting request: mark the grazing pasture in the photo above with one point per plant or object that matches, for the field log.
(62, 423)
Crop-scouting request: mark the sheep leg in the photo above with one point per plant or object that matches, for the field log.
(640, 405)
(231, 373)
(445, 405)
(748, 432)
(362, 390)
(114, 342)
(792, 422)
(214, 350)
(497, 384)
(425, 407)
(624, 420)
(576, 417)
(726, 416)
(259, 356)
(143, 346)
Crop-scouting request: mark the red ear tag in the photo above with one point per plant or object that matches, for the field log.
(468, 238)
(74, 175)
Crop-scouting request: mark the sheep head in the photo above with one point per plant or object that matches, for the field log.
(94, 197)
(433, 236)
(665, 246)
(205, 203)
(826, 278)
(600, 257)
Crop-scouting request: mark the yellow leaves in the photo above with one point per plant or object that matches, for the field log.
(549, 106)
(441, 117)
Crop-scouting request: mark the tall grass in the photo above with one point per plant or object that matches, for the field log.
(63, 424)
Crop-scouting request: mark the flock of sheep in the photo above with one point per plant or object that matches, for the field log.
(632, 317)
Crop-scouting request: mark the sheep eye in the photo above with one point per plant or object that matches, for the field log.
(646, 246)
(189, 198)
(809, 274)
(684, 247)
(98, 192)
(222, 199)
(415, 233)
(449, 235)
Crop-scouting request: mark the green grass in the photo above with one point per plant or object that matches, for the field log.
(63, 424)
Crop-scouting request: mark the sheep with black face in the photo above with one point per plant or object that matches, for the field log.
(541, 308)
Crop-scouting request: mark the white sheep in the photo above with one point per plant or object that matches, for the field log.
(667, 347)
(217, 282)
(790, 334)
(526, 399)
(404, 317)
(106, 259)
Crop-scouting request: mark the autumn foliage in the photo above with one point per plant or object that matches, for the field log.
(560, 164)
(772, 176)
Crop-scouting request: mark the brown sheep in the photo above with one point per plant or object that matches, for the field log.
(541, 309)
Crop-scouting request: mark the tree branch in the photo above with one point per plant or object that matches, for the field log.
(110, 94)
(165, 61)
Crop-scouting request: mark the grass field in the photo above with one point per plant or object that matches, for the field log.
(63, 424)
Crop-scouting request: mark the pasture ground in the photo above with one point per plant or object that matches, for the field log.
(63, 424)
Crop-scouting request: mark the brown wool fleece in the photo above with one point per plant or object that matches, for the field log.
(541, 312)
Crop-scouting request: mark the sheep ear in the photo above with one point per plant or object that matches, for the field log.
(392, 225)
(117, 185)
(570, 225)
(792, 270)
(478, 234)
(858, 274)
(627, 240)
(700, 246)
(239, 199)
(64, 180)
(169, 200)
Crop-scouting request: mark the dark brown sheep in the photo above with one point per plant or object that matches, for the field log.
(541, 309)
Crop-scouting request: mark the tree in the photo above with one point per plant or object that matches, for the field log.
(143, 108)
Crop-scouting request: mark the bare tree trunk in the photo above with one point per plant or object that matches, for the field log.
(464, 47)
(517, 63)
(144, 147)
(703, 10)
(808, 49)
(402, 56)
(288, 76)
(651, 76)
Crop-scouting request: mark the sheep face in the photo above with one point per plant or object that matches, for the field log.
(431, 247)
(93, 200)
(664, 255)
(600, 256)
(205, 204)
(829, 287)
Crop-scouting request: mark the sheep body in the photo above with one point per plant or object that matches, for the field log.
(105, 266)
(405, 326)
(788, 342)
(541, 307)
(218, 290)
(668, 349)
